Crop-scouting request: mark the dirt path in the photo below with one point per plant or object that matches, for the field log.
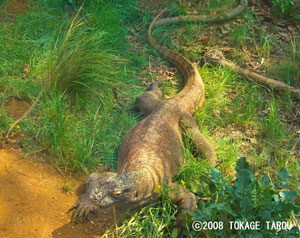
(33, 204)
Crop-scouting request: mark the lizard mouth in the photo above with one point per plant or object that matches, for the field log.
(106, 202)
(101, 201)
(100, 204)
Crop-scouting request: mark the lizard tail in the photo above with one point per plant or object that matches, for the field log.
(192, 95)
(149, 30)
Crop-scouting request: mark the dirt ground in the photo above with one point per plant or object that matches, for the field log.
(33, 203)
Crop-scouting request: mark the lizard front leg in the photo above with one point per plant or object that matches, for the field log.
(184, 199)
(188, 123)
(84, 205)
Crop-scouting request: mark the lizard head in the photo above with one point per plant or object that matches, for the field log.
(117, 189)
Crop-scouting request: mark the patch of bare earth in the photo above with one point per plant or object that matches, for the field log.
(16, 7)
(15, 107)
(33, 203)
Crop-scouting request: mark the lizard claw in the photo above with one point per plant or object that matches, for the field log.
(73, 207)
(87, 212)
(83, 207)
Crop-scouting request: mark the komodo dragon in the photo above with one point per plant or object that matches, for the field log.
(152, 152)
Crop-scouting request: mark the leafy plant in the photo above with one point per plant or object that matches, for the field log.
(247, 199)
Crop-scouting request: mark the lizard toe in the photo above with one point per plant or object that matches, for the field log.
(73, 207)
(86, 213)
(77, 214)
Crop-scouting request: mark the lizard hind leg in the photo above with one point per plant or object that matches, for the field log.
(149, 100)
(189, 125)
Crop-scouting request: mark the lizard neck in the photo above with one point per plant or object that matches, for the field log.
(143, 183)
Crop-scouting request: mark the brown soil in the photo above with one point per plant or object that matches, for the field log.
(17, 7)
(153, 4)
(33, 203)
(15, 108)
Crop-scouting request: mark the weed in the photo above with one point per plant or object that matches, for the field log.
(265, 46)
(272, 126)
(67, 187)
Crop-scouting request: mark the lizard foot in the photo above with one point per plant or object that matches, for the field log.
(83, 207)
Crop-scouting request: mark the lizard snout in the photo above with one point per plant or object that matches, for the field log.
(100, 198)
(96, 195)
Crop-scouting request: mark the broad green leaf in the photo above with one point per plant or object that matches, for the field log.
(264, 180)
(246, 203)
(245, 181)
(275, 198)
(254, 234)
(242, 164)
(284, 175)
(212, 188)
(283, 185)
(222, 207)
(215, 174)
(288, 195)
(266, 215)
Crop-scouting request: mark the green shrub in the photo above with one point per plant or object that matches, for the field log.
(247, 199)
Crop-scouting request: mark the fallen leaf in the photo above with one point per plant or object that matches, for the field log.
(224, 31)
(205, 40)
(291, 28)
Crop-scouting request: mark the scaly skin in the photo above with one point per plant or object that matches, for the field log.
(152, 152)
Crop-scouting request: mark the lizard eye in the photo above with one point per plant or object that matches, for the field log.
(117, 193)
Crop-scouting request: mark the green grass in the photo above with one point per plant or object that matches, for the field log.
(93, 73)
(78, 122)
(288, 67)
